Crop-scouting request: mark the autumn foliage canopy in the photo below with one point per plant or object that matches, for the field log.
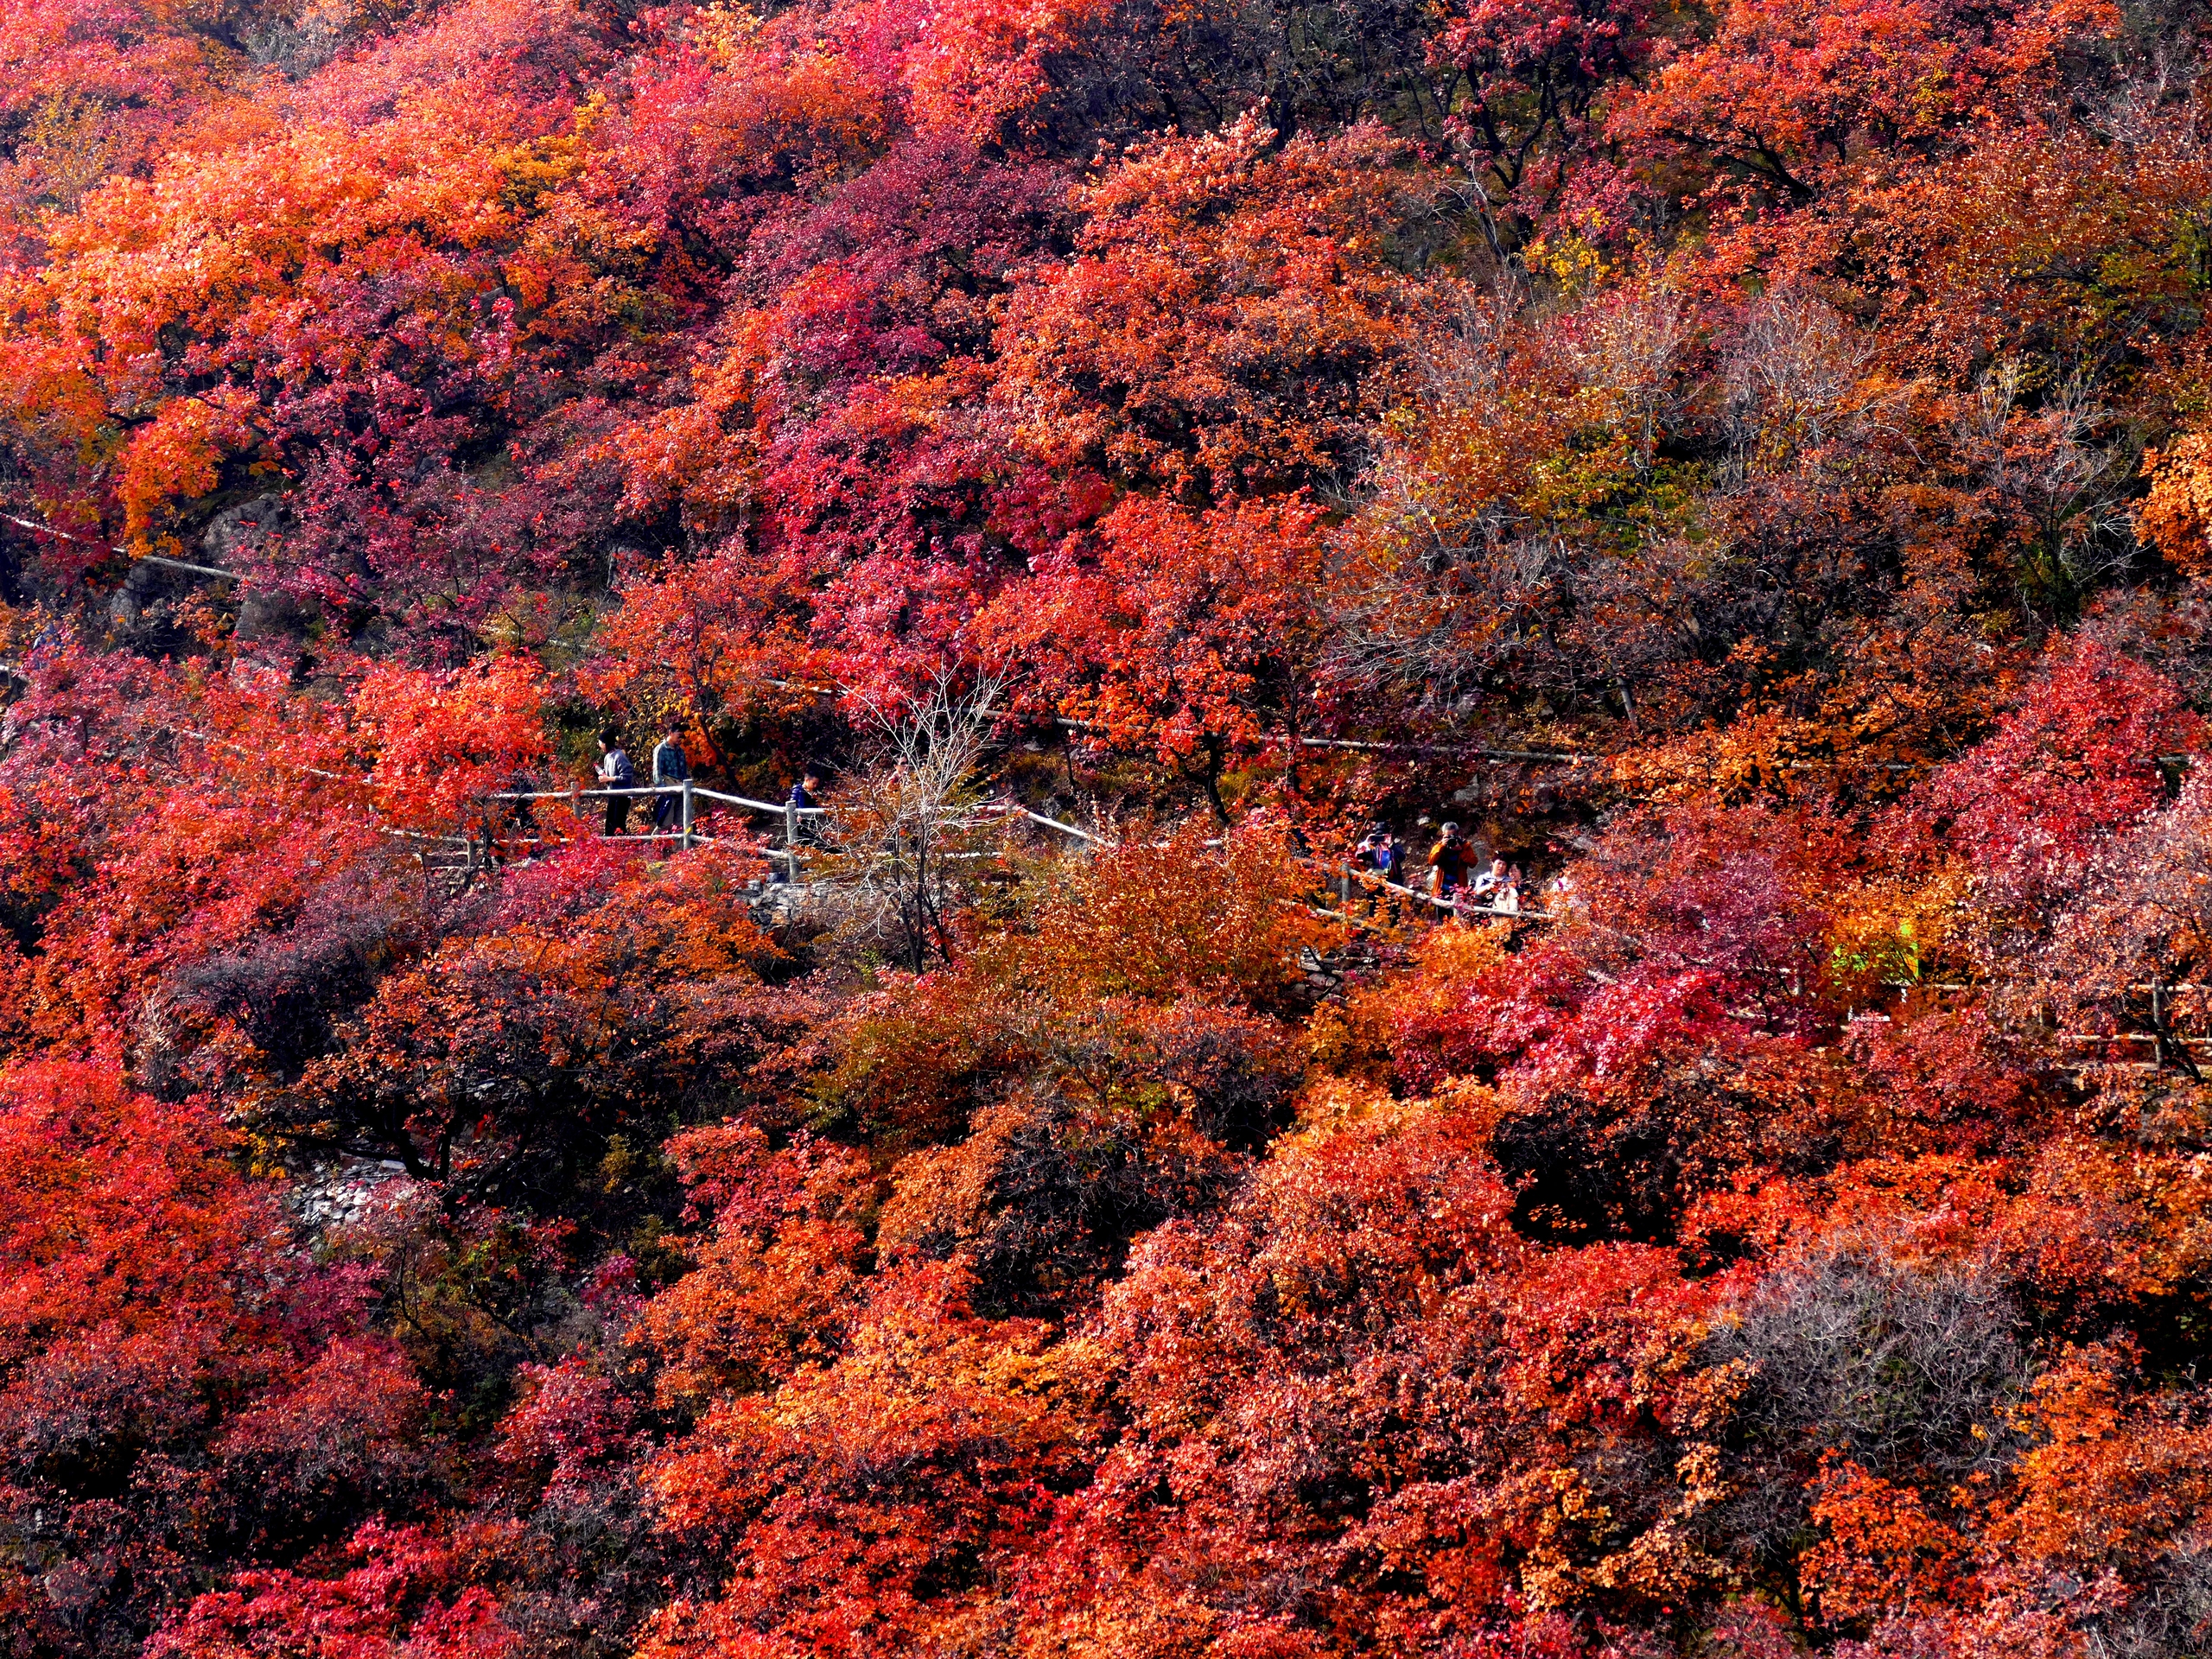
(1746, 466)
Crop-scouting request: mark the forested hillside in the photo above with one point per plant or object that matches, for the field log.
(1746, 466)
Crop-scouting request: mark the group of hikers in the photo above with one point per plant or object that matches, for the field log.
(1454, 872)
(669, 767)
(614, 772)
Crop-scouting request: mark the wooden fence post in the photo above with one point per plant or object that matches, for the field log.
(687, 815)
(790, 842)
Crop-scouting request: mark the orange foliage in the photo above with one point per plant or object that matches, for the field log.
(773, 1286)
(442, 740)
(180, 454)
(1883, 1553)
(1745, 465)
(1213, 332)
(1190, 640)
(2110, 1480)
(2175, 509)
(870, 1503)
(981, 65)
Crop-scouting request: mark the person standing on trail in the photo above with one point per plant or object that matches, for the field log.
(1507, 900)
(1386, 858)
(802, 800)
(1383, 855)
(1447, 863)
(615, 772)
(669, 767)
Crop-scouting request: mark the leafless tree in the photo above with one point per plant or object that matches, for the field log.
(2150, 100)
(1448, 589)
(2065, 489)
(909, 815)
(1794, 375)
(2170, 1616)
(1628, 353)
(1857, 1348)
(2140, 916)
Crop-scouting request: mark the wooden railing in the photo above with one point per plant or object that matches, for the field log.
(1349, 876)
(1344, 876)
(690, 793)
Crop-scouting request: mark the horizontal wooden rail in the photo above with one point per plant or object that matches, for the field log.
(698, 792)
(163, 559)
(1064, 829)
(1368, 878)
(752, 805)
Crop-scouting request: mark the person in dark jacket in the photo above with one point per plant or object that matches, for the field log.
(804, 797)
(669, 767)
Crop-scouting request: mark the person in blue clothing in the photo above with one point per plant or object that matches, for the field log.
(802, 798)
(615, 772)
(669, 767)
(1385, 857)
